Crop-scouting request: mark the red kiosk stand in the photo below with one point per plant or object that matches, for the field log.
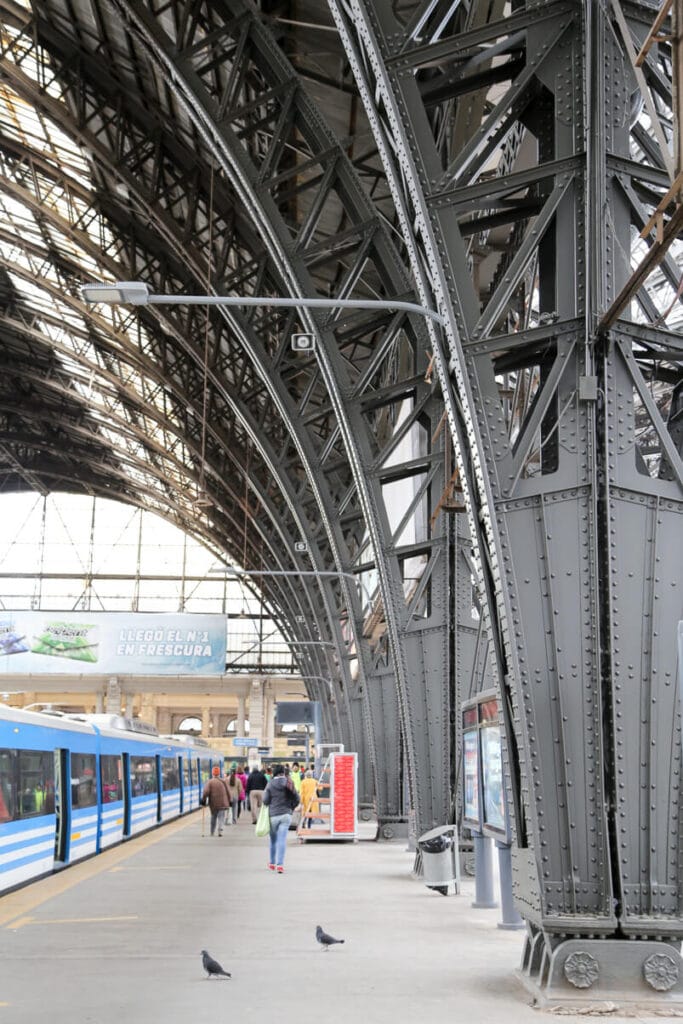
(335, 810)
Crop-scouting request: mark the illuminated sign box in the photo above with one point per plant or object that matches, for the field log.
(344, 795)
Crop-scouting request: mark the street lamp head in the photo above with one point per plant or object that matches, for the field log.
(131, 293)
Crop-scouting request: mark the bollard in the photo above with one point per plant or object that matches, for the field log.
(511, 920)
(483, 873)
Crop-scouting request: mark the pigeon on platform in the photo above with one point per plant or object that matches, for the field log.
(324, 939)
(212, 967)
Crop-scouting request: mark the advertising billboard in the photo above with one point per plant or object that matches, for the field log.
(114, 643)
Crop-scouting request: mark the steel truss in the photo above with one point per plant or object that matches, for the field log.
(534, 130)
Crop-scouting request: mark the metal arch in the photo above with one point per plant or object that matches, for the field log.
(365, 220)
(581, 861)
(169, 384)
(255, 438)
(236, 164)
(254, 432)
(122, 454)
(453, 294)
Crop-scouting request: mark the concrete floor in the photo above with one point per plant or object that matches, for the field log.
(118, 939)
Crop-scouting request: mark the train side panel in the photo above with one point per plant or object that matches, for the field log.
(70, 788)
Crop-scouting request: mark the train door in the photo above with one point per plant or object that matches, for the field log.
(171, 775)
(182, 799)
(62, 806)
(126, 795)
(112, 798)
(160, 784)
(187, 802)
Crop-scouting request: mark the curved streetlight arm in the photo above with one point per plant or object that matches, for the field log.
(137, 293)
(236, 572)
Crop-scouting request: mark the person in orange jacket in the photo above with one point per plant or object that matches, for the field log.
(215, 794)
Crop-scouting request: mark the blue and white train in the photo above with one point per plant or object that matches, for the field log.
(72, 785)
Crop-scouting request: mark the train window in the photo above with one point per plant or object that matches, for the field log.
(169, 773)
(36, 783)
(143, 775)
(7, 788)
(187, 771)
(83, 788)
(111, 780)
(205, 770)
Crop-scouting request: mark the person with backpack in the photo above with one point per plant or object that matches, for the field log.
(256, 784)
(281, 799)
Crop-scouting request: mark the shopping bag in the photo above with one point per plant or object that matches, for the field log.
(263, 822)
(296, 821)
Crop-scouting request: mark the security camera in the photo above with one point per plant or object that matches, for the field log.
(303, 342)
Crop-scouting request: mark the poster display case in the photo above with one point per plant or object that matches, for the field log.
(484, 803)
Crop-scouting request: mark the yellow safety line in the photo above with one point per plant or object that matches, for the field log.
(22, 921)
(20, 903)
(153, 867)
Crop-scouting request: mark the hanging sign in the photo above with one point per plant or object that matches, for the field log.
(113, 643)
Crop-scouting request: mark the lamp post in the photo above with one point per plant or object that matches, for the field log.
(137, 293)
(236, 572)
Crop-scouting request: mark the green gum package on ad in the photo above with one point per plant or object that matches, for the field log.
(75, 641)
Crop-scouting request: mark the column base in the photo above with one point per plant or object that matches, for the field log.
(478, 905)
(582, 972)
(388, 830)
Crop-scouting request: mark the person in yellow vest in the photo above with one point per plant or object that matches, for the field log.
(309, 804)
(295, 776)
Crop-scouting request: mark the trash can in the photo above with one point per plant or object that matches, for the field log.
(439, 849)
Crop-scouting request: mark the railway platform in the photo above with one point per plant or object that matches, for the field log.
(118, 939)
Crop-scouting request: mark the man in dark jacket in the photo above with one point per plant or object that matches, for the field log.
(280, 798)
(215, 794)
(256, 783)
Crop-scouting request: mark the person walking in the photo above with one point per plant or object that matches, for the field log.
(309, 804)
(235, 794)
(243, 776)
(256, 784)
(280, 798)
(295, 776)
(215, 795)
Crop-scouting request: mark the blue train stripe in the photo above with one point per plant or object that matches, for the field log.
(18, 839)
(110, 810)
(84, 819)
(41, 851)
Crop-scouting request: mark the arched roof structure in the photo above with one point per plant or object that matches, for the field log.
(505, 164)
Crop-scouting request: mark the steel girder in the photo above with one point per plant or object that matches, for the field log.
(567, 431)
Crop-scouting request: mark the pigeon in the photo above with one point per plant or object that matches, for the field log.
(324, 939)
(212, 967)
